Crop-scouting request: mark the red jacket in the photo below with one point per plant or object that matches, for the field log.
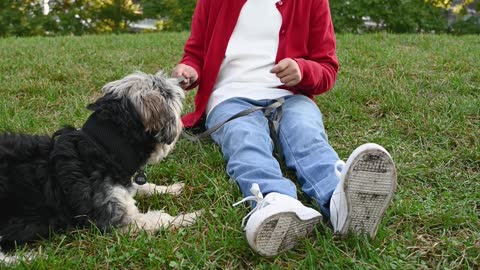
(306, 35)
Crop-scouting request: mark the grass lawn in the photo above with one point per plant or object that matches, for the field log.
(418, 95)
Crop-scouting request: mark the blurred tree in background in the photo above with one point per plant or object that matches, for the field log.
(116, 14)
(406, 16)
(402, 16)
(175, 14)
(78, 17)
(463, 15)
(21, 18)
(66, 17)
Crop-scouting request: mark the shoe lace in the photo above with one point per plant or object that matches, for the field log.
(257, 197)
(339, 163)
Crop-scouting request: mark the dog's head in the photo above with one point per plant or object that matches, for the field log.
(158, 101)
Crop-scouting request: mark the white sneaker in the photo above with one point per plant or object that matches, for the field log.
(366, 187)
(277, 222)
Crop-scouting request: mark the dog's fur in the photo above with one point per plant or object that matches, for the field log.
(75, 178)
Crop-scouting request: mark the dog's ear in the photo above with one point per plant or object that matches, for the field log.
(99, 103)
(159, 118)
(92, 106)
(168, 130)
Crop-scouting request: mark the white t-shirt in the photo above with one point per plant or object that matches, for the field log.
(250, 55)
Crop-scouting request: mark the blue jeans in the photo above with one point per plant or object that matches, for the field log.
(247, 148)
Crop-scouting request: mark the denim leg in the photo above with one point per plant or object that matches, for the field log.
(247, 148)
(306, 149)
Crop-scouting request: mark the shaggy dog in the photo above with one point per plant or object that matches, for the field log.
(80, 177)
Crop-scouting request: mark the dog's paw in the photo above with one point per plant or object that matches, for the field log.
(152, 221)
(187, 219)
(18, 257)
(174, 189)
(150, 189)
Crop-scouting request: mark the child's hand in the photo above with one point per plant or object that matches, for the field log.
(186, 71)
(288, 71)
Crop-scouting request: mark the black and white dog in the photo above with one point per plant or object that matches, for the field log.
(80, 177)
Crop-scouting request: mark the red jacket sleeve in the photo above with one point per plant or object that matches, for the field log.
(194, 47)
(319, 71)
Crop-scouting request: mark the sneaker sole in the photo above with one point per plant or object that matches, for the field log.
(281, 232)
(369, 186)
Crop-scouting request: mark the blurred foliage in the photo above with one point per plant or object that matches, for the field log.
(402, 16)
(471, 25)
(459, 5)
(116, 14)
(66, 17)
(78, 17)
(175, 14)
(21, 18)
